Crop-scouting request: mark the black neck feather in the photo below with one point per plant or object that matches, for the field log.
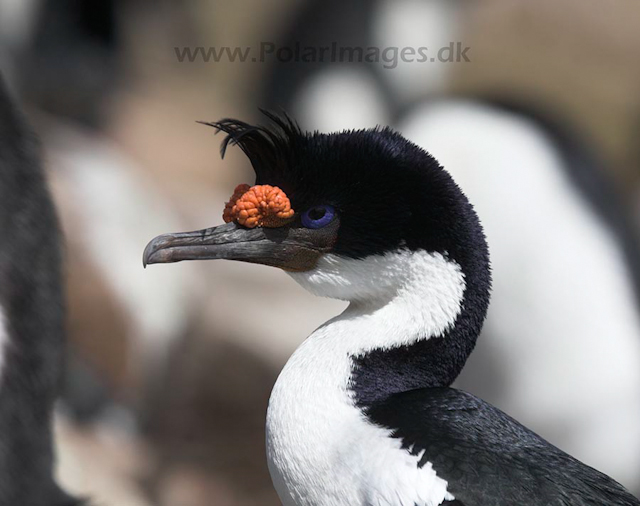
(430, 361)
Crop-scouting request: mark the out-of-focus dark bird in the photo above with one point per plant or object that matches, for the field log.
(54, 46)
(31, 319)
(364, 413)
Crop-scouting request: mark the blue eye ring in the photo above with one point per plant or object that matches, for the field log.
(318, 216)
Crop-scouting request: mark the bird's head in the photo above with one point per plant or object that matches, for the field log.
(338, 211)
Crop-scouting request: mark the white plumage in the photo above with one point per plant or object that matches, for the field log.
(321, 449)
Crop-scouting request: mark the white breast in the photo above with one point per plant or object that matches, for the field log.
(321, 449)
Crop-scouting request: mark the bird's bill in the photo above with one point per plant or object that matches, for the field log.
(289, 248)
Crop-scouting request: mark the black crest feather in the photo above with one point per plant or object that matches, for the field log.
(269, 148)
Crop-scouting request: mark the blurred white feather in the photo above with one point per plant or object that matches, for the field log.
(564, 315)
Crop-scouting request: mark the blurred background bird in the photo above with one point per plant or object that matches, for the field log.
(167, 379)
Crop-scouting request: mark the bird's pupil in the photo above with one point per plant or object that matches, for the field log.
(317, 213)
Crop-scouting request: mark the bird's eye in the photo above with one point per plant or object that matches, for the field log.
(318, 216)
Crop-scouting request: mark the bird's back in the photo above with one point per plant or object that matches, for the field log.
(489, 458)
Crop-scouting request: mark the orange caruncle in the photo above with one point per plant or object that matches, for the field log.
(258, 206)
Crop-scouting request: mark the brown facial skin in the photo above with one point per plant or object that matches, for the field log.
(290, 247)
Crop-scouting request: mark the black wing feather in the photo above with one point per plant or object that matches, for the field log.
(487, 457)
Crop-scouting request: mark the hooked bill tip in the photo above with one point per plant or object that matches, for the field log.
(151, 250)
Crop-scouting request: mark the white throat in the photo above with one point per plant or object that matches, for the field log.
(322, 450)
(404, 294)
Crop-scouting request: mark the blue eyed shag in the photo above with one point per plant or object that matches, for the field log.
(363, 413)
(560, 213)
